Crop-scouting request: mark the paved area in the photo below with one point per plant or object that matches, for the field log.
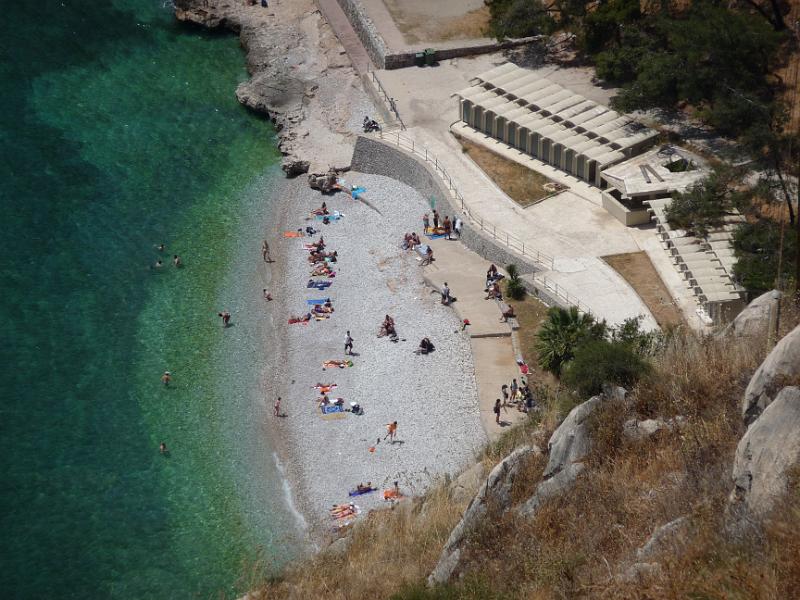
(492, 348)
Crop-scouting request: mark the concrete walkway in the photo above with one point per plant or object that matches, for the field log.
(348, 37)
(490, 338)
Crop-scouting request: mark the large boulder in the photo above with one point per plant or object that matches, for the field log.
(668, 538)
(494, 493)
(568, 446)
(754, 320)
(781, 367)
(636, 430)
(466, 485)
(769, 448)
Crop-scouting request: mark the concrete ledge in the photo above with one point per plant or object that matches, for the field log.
(366, 30)
(623, 214)
(400, 60)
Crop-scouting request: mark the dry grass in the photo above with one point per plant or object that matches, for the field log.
(424, 27)
(531, 313)
(524, 186)
(639, 272)
(578, 544)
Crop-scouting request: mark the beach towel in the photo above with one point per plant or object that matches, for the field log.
(295, 321)
(357, 492)
(330, 364)
(332, 412)
(317, 301)
(325, 386)
(333, 217)
(320, 285)
(391, 495)
(357, 191)
(293, 234)
(435, 236)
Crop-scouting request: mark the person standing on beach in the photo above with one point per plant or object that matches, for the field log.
(426, 224)
(265, 252)
(514, 389)
(391, 431)
(496, 411)
(267, 295)
(435, 219)
(504, 390)
(226, 317)
(348, 343)
(447, 226)
(166, 378)
(277, 407)
(445, 294)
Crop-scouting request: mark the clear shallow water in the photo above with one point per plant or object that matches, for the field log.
(119, 130)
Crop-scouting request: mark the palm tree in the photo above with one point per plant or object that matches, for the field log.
(514, 288)
(561, 333)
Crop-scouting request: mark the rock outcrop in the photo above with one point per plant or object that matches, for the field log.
(754, 320)
(766, 452)
(640, 430)
(467, 484)
(780, 368)
(568, 446)
(292, 54)
(667, 538)
(495, 493)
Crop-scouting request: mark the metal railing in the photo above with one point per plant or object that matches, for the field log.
(509, 240)
(387, 99)
(560, 292)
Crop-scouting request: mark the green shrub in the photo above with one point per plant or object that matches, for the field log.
(515, 289)
(597, 362)
(562, 332)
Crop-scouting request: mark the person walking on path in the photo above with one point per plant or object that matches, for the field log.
(496, 411)
(277, 407)
(348, 343)
(391, 431)
(435, 219)
(457, 225)
(166, 378)
(514, 388)
(265, 252)
(226, 317)
(445, 294)
(504, 389)
(447, 226)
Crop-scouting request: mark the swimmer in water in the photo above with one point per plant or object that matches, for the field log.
(166, 378)
(177, 261)
(162, 447)
(158, 264)
(160, 247)
(226, 317)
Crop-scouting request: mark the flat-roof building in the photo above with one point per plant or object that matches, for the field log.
(551, 123)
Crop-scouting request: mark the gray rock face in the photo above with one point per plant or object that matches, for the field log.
(495, 491)
(664, 538)
(568, 446)
(467, 484)
(781, 367)
(754, 320)
(640, 430)
(770, 447)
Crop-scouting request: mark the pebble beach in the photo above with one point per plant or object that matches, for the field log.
(432, 397)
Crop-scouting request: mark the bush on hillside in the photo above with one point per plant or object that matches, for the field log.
(514, 287)
(561, 334)
(598, 362)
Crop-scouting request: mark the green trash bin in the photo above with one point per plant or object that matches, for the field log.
(419, 59)
(430, 56)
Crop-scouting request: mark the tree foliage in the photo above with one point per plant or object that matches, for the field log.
(757, 247)
(599, 362)
(560, 335)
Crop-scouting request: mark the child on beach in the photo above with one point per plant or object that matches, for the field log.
(348, 343)
(277, 407)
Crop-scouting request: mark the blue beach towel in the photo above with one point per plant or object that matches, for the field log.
(331, 409)
(333, 217)
(316, 301)
(357, 192)
(435, 236)
(362, 492)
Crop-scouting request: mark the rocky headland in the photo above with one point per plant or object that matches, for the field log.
(300, 77)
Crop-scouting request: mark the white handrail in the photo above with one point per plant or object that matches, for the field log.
(508, 239)
(561, 293)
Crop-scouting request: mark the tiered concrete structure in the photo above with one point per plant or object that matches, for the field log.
(551, 123)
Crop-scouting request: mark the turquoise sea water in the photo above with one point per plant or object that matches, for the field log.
(119, 130)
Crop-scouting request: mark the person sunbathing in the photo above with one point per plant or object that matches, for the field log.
(322, 210)
(425, 346)
(323, 400)
(494, 292)
(387, 327)
(321, 269)
(407, 242)
(295, 319)
(319, 245)
(362, 489)
(334, 362)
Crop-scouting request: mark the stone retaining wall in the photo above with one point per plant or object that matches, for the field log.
(374, 156)
(366, 30)
(400, 60)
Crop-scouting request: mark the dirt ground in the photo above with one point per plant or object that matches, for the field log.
(439, 20)
(522, 185)
(638, 271)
